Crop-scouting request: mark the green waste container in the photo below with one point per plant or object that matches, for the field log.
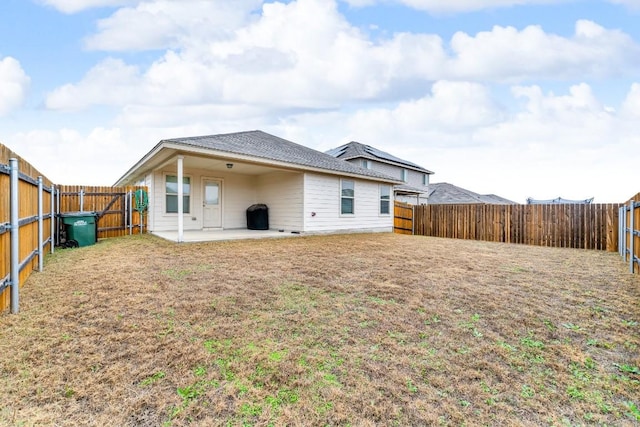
(81, 227)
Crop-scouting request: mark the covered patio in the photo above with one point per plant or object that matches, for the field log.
(222, 235)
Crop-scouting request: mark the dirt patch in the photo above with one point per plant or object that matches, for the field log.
(323, 330)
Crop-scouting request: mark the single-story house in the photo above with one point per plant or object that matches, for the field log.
(305, 191)
(443, 193)
(414, 185)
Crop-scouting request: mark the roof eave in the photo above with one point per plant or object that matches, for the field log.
(186, 148)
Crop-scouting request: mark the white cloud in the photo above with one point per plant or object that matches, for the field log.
(163, 24)
(544, 145)
(507, 54)
(551, 145)
(631, 105)
(305, 54)
(453, 6)
(449, 112)
(96, 157)
(74, 6)
(14, 84)
(111, 82)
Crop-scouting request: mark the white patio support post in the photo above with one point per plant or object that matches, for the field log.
(180, 199)
(15, 239)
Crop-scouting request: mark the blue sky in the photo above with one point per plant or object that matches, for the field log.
(520, 98)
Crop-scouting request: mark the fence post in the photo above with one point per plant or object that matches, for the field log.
(40, 226)
(52, 239)
(631, 236)
(620, 230)
(15, 240)
(82, 200)
(130, 213)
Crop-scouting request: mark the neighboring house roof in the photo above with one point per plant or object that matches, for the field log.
(559, 201)
(261, 146)
(355, 150)
(441, 193)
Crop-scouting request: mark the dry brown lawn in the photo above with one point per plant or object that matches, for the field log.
(324, 330)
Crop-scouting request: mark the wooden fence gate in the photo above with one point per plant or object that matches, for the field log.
(403, 218)
(115, 207)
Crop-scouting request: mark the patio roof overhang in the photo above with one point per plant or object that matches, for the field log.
(166, 153)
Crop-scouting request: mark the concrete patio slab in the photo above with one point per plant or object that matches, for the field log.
(221, 235)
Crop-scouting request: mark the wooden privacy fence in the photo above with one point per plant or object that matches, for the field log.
(26, 224)
(117, 208)
(593, 226)
(629, 234)
(30, 211)
(403, 218)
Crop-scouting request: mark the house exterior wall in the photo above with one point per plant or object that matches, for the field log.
(238, 193)
(322, 197)
(290, 196)
(283, 193)
(414, 178)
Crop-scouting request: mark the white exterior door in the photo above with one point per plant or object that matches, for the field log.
(212, 203)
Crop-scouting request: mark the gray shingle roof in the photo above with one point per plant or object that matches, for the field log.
(354, 150)
(269, 147)
(442, 193)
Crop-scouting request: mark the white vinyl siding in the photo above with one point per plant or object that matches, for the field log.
(238, 193)
(282, 192)
(322, 206)
(414, 178)
(297, 201)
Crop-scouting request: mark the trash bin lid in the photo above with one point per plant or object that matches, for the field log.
(79, 213)
(257, 207)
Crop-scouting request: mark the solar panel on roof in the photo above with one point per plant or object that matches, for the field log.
(337, 152)
(382, 155)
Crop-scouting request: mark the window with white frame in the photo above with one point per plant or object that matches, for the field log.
(366, 164)
(425, 179)
(404, 175)
(347, 197)
(171, 194)
(385, 199)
